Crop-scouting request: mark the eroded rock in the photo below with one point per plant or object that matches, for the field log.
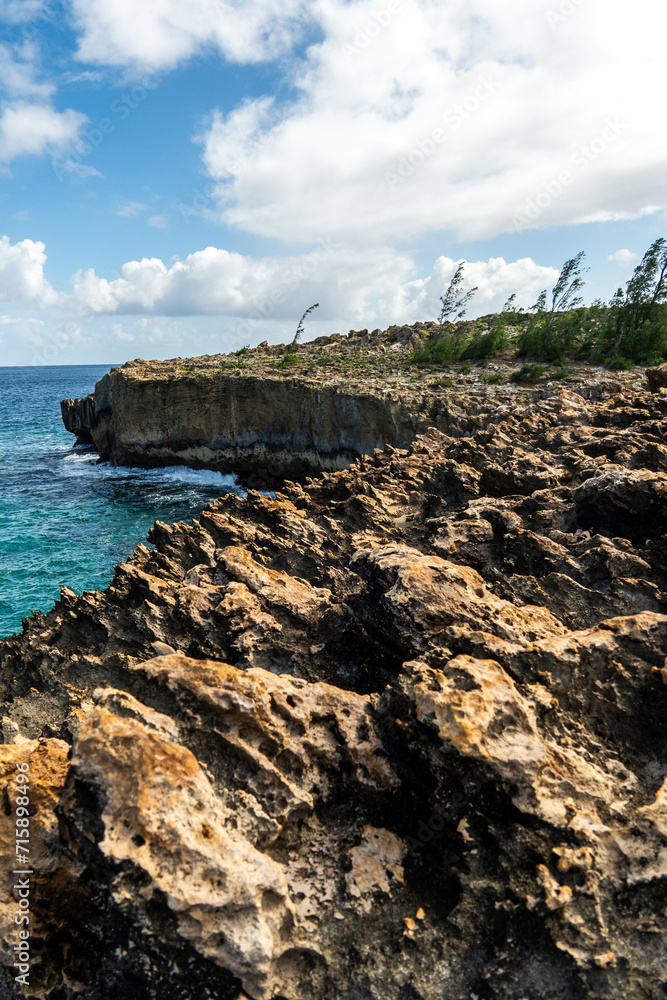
(396, 732)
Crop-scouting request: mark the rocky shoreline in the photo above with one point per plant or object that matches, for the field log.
(397, 733)
(269, 414)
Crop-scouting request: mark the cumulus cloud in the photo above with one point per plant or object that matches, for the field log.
(34, 128)
(18, 72)
(22, 273)
(159, 34)
(623, 257)
(467, 118)
(378, 286)
(28, 122)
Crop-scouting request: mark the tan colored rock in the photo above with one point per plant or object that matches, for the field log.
(444, 663)
(376, 866)
(162, 816)
(295, 596)
(657, 377)
(298, 736)
(432, 593)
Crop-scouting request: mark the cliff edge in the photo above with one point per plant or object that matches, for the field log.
(397, 733)
(280, 412)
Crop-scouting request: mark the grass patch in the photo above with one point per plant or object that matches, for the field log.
(497, 378)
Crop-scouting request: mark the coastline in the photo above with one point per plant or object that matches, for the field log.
(413, 707)
(267, 415)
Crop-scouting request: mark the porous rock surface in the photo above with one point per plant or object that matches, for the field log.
(396, 733)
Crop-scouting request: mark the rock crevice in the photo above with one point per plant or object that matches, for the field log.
(396, 732)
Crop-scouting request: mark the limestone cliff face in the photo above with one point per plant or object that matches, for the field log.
(269, 426)
(235, 424)
(397, 733)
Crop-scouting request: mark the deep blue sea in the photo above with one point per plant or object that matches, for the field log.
(64, 519)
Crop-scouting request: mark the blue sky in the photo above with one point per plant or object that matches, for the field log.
(187, 176)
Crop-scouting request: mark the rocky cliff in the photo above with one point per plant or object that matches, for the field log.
(267, 415)
(397, 733)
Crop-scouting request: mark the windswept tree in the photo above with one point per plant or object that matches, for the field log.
(299, 330)
(447, 343)
(552, 331)
(638, 324)
(455, 301)
(565, 293)
(511, 312)
(648, 284)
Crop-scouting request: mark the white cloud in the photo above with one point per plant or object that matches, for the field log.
(623, 257)
(34, 129)
(131, 208)
(157, 221)
(122, 335)
(159, 34)
(20, 11)
(18, 75)
(22, 273)
(452, 117)
(367, 287)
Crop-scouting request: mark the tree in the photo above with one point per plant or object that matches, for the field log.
(553, 333)
(565, 293)
(638, 324)
(648, 284)
(299, 330)
(455, 301)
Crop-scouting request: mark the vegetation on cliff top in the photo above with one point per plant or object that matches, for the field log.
(557, 338)
(630, 329)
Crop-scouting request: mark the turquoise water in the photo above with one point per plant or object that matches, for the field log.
(64, 519)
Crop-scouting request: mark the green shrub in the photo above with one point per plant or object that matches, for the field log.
(289, 359)
(529, 373)
(442, 346)
(497, 378)
(618, 363)
(489, 343)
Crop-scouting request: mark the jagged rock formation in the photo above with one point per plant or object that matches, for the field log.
(397, 733)
(266, 418)
(79, 417)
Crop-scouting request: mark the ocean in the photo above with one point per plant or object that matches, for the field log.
(64, 518)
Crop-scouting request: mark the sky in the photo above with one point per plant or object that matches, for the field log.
(180, 177)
